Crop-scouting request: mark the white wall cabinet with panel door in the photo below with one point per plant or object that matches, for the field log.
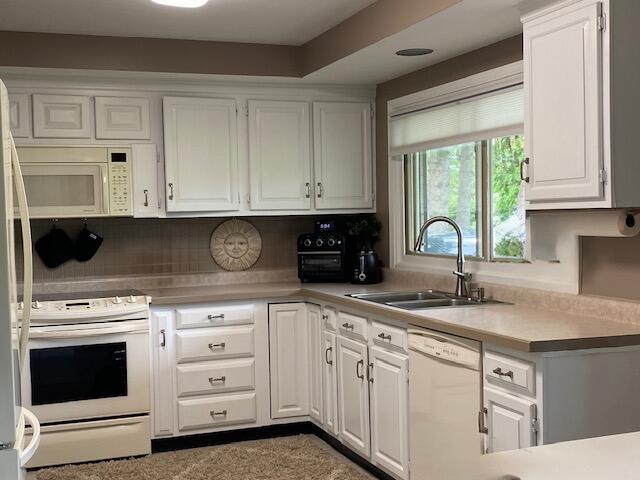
(314, 316)
(162, 361)
(343, 160)
(201, 154)
(279, 155)
(122, 118)
(20, 115)
(61, 116)
(580, 103)
(289, 359)
(353, 395)
(146, 202)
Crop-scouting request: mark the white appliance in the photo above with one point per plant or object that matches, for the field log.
(77, 181)
(87, 377)
(14, 452)
(445, 385)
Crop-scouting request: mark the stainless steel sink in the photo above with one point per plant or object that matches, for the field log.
(418, 300)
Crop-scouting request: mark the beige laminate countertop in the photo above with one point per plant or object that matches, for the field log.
(512, 326)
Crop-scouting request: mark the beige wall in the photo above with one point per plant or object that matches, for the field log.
(163, 246)
(486, 58)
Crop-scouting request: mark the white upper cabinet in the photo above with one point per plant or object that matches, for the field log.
(61, 116)
(201, 154)
(122, 118)
(19, 114)
(563, 65)
(145, 180)
(279, 155)
(581, 77)
(343, 161)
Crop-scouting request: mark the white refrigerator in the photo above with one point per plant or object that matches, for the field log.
(14, 334)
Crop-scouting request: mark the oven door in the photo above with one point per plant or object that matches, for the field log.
(66, 189)
(98, 370)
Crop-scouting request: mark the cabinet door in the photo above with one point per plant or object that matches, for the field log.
(289, 360)
(315, 362)
(330, 382)
(162, 366)
(61, 116)
(279, 155)
(145, 180)
(389, 411)
(563, 118)
(511, 421)
(342, 155)
(20, 120)
(353, 395)
(201, 154)
(122, 118)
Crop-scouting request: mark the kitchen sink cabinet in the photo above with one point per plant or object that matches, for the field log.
(511, 421)
(581, 103)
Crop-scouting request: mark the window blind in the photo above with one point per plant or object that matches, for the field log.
(476, 118)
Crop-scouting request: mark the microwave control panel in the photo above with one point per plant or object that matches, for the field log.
(120, 182)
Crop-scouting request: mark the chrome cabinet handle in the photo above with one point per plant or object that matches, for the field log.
(163, 342)
(217, 345)
(370, 372)
(307, 187)
(481, 426)
(384, 337)
(171, 191)
(216, 317)
(222, 379)
(498, 371)
(325, 316)
(348, 326)
(358, 369)
(326, 356)
(146, 197)
(223, 413)
(320, 189)
(526, 161)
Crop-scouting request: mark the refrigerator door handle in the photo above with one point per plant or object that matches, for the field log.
(21, 195)
(28, 452)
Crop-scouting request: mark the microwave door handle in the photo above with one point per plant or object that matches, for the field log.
(21, 195)
(105, 190)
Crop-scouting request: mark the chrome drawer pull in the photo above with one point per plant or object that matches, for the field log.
(498, 371)
(223, 413)
(222, 379)
(216, 317)
(146, 197)
(171, 191)
(217, 345)
(348, 326)
(326, 356)
(384, 337)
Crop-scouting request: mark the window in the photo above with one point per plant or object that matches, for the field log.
(477, 184)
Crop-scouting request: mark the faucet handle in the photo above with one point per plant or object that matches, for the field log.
(477, 294)
(465, 276)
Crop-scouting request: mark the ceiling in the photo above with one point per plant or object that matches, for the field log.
(285, 22)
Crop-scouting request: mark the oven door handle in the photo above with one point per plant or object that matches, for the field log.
(81, 332)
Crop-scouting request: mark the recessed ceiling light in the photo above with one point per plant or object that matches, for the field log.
(181, 3)
(414, 52)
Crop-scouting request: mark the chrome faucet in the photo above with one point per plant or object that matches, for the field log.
(461, 277)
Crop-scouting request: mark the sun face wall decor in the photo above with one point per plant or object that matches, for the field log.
(235, 245)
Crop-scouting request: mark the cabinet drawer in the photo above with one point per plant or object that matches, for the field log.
(388, 336)
(329, 319)
(352, 325)
(216, 377)
(510, 372)
(211, 412)
(214, 316)
(214, 343)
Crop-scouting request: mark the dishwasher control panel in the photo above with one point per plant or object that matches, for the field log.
(445, 350)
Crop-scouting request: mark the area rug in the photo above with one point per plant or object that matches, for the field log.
(288, 458)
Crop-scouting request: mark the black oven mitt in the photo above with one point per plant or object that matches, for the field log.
(54, 248)
(87, 244)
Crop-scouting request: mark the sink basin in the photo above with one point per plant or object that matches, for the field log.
(417, 300)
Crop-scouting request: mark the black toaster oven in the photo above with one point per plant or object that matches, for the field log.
(322, 257)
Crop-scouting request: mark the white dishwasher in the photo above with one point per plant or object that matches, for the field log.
(445, 385)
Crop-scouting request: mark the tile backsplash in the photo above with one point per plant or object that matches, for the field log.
(162, 246)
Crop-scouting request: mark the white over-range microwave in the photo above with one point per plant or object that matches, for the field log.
(68, 182)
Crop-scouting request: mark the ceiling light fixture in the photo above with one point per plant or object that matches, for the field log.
(414, 52)
(181, 3)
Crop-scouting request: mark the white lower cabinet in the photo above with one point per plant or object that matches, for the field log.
(388, 378)
(510, 421)
(162, 362)
(289, 360)
(314, 316)
(210, 412)
(330, 382)
(353, 395)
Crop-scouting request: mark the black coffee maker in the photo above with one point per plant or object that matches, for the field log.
(365, 230)
(367, 268)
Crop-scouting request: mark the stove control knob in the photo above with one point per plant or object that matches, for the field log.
(132, 299)
(117, 300)
(37, 305)
(319, 242)
(307, 242)
(331, 242)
